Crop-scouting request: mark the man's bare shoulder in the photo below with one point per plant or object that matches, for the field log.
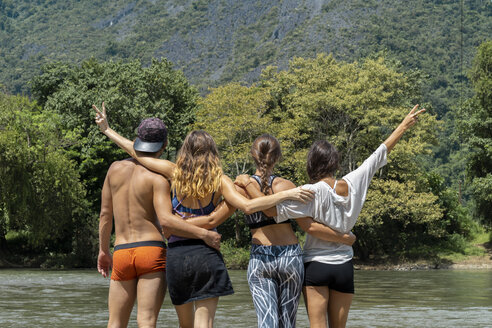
(123, 164)
(151, 175)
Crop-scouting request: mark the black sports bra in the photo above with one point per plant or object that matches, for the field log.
(259, 219)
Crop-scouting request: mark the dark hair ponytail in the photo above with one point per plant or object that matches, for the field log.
(266, 153)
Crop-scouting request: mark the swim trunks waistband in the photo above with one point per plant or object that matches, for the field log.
(155, 243)
(186, 242)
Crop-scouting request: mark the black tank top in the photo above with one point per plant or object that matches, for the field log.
(259, 219)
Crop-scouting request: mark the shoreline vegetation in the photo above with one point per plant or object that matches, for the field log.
(477, 255)
(479, 258)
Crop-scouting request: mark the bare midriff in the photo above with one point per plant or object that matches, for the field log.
(275, 234)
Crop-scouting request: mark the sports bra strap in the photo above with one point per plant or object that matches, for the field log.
(270, 182)
(200, 203)
(335, 185)
(175, 208)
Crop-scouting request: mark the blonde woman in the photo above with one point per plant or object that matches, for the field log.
(196, 273)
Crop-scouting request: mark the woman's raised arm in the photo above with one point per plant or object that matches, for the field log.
(161, 166)
(407, 123)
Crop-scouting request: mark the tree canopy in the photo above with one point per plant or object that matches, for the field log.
(355, 106)
(131, 93)
(476, 130)
(42, 199)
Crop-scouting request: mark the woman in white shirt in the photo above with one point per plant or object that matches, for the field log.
(329, 272)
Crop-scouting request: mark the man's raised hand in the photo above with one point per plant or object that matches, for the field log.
(101, 118)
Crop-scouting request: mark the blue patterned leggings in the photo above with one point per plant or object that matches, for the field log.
(275, 276)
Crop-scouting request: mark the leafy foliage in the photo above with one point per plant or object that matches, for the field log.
(355, 106)
(131, 93)
(41, 194)
(476, 129)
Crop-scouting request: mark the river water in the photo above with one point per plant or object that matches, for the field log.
(437, 298)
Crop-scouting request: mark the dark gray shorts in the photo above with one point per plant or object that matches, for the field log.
(195, 271)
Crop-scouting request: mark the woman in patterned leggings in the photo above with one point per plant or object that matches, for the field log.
(276, 270)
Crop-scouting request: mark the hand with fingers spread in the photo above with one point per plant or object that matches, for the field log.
(101, 118)
(412, 117)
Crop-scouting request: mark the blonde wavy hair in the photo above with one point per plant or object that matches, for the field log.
(198, 170)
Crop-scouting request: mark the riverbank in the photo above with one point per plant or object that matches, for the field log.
(478, 257)
(449, 262)
(237, 258)
(471, 263)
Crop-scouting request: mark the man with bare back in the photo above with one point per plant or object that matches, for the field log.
(139, 200)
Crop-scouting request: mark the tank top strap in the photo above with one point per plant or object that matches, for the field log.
(335, 184)
(272, 177)
(175, 208)
(211, 202)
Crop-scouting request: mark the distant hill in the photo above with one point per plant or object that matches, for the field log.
(217, 41)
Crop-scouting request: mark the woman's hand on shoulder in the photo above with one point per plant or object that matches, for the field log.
(299, 193)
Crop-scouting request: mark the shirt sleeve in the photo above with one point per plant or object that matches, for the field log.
(291, 209)
(360, 178)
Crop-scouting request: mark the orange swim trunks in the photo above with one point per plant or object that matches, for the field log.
(135, 259)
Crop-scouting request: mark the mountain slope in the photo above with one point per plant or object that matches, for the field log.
(217, 41)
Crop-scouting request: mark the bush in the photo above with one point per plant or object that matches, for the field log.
(234, 257)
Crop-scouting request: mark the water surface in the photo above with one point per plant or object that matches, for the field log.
(437, 298)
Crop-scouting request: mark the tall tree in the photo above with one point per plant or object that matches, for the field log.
(41, 196)
(235, 115)
(131, 92)
(476, 130)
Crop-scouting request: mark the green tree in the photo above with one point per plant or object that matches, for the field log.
(41, 197)
(355, 106)
(476, 129)
(131, 93)
(235, 115)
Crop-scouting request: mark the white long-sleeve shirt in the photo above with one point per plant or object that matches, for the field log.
(338, 212)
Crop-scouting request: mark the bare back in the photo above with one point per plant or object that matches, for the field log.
(132, 191)
(275, 234)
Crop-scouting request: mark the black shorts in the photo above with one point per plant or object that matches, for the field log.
(195, 271)
(339, 277)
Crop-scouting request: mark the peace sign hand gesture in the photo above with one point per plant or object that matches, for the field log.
(101, 118)
(412, 117)
(407, 123)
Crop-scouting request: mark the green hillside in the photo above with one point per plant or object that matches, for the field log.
(217, 41)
